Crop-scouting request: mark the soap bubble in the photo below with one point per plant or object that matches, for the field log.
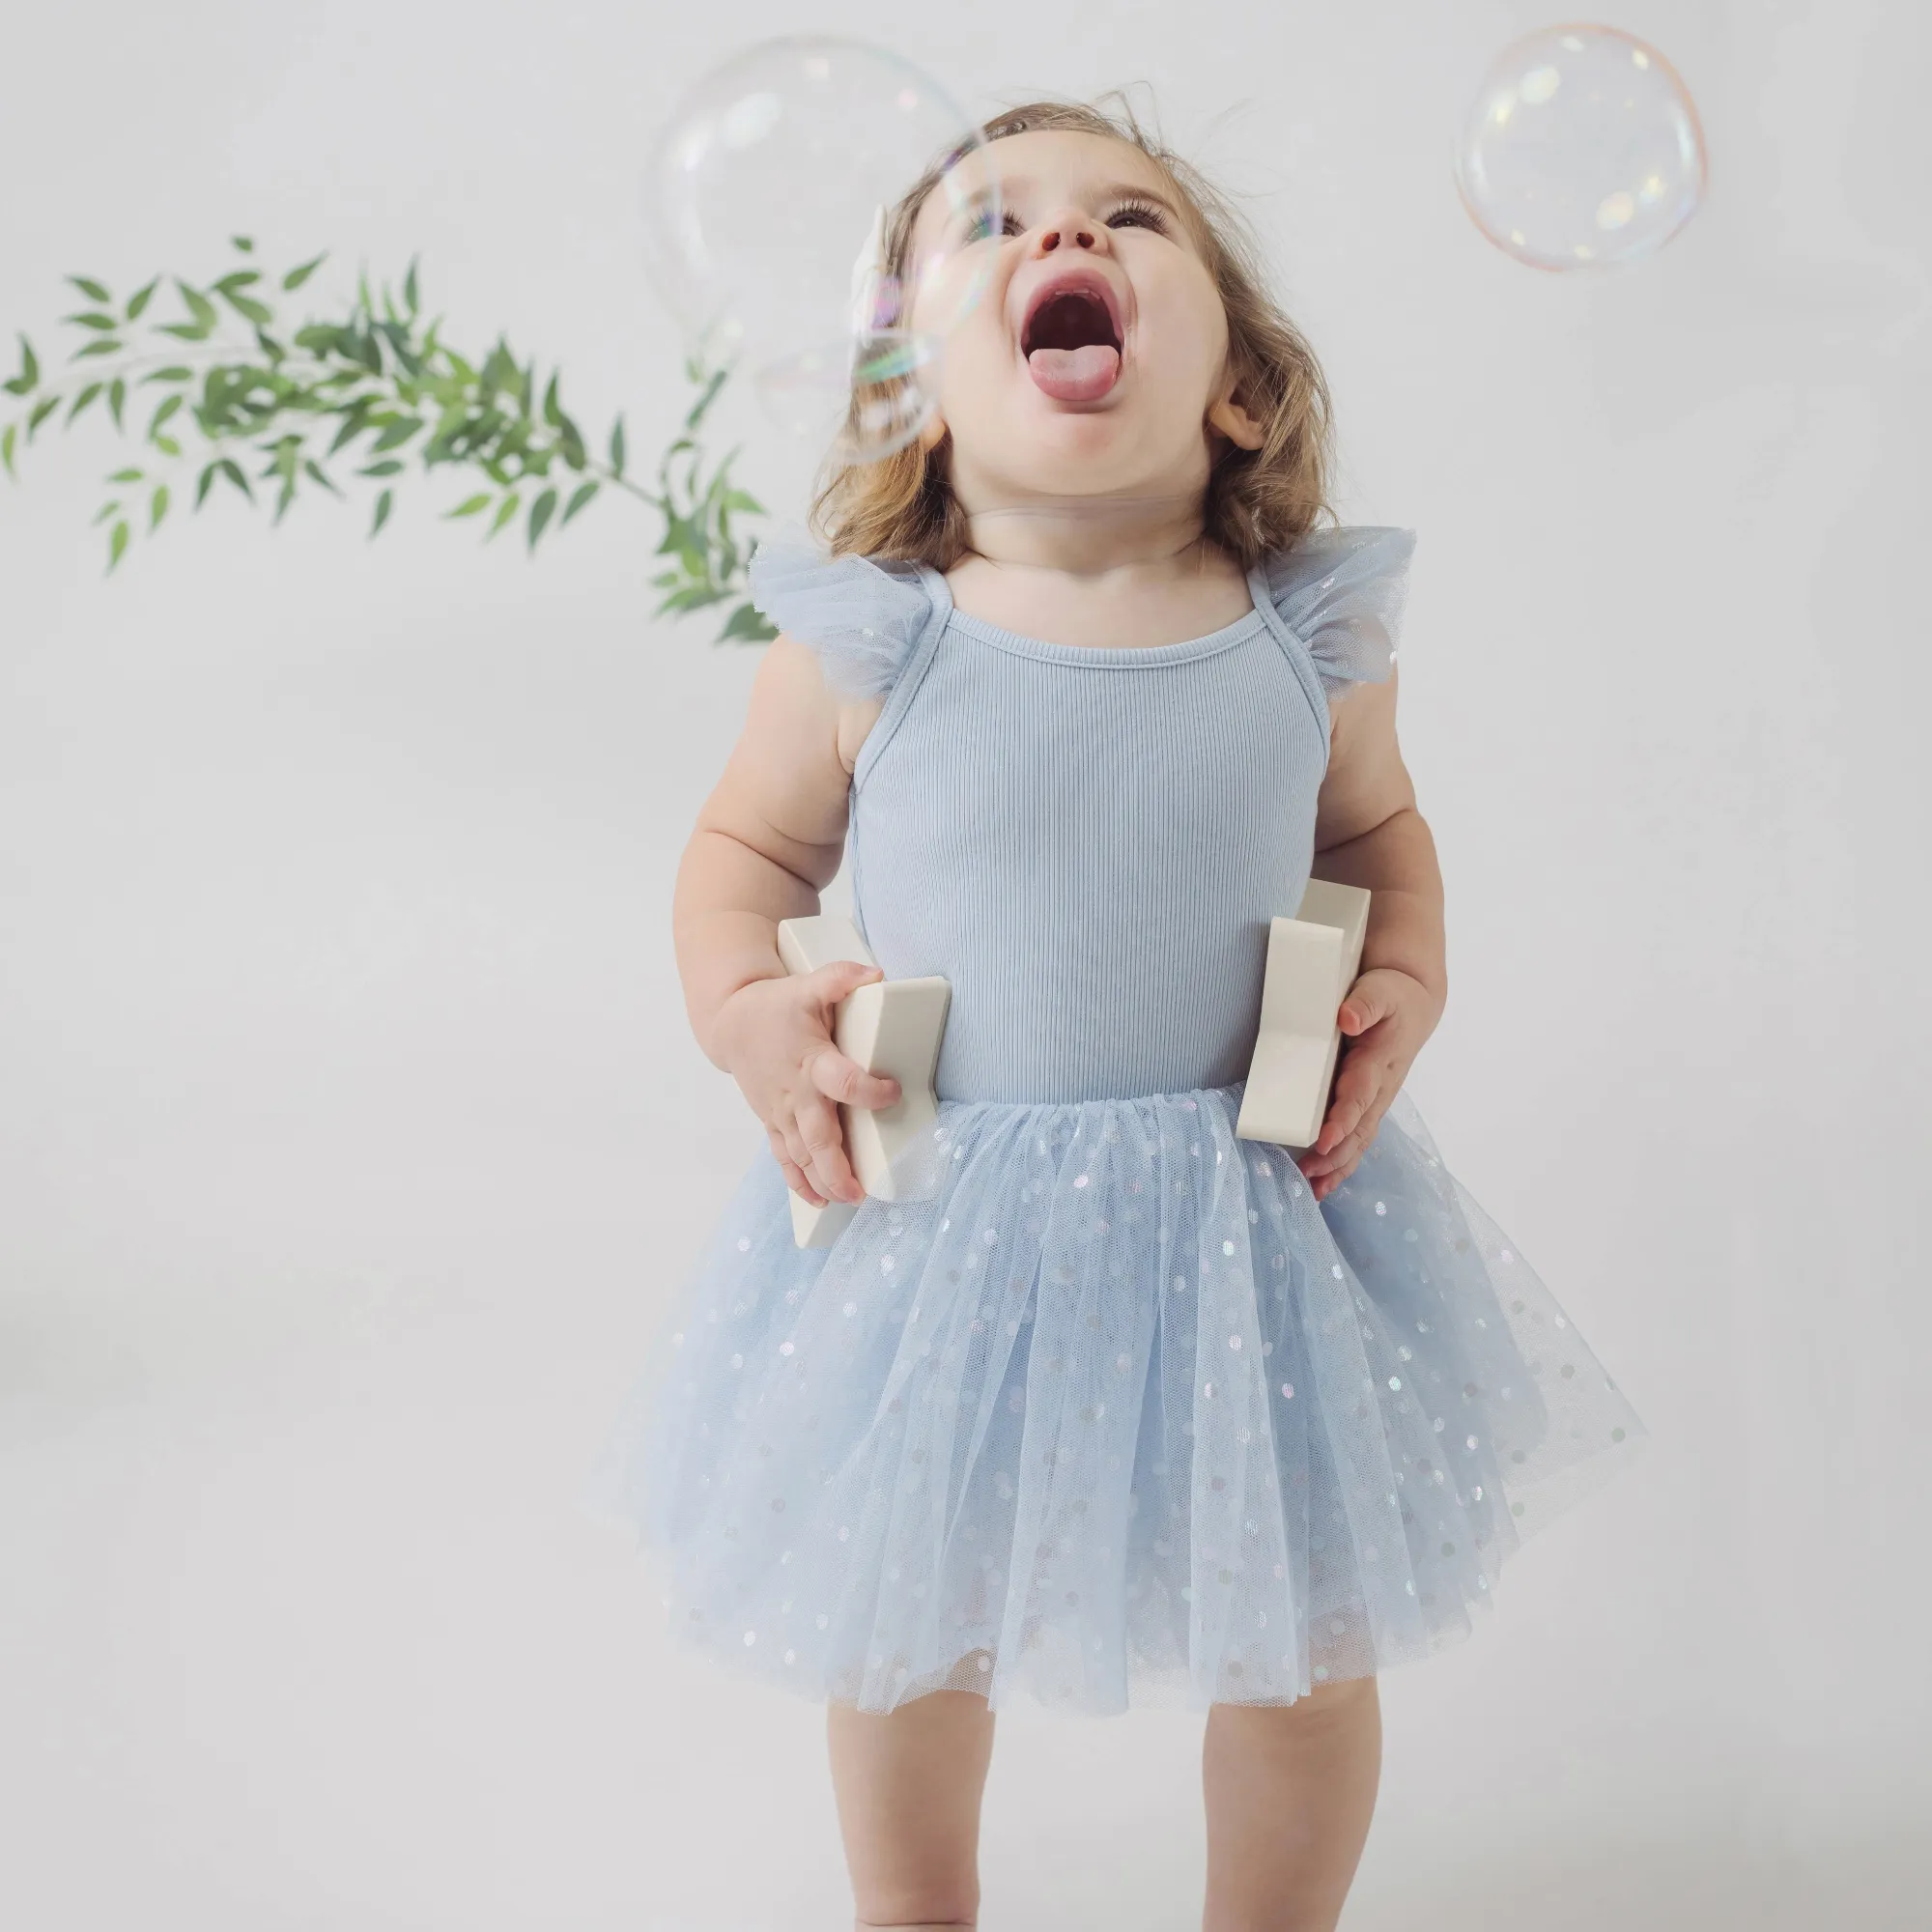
(769, 196)
(1582, 148)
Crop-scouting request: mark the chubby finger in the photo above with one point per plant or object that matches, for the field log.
(1345, 1156)
(824, 1140)
(830, 983)
(800, 1157)
(840, 1077)
(794, 1175)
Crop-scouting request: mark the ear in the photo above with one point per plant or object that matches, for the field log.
(933, 433)
(1233, 420)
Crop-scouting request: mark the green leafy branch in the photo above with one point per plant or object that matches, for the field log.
(368, 391)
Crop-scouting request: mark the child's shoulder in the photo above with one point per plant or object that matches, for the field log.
(1342, 591)
(860, 615)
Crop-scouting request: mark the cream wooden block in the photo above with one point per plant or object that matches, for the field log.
(1313, 960)
(805, 944)
(893, 1027)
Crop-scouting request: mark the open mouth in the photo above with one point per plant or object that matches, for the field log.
(1071, 340)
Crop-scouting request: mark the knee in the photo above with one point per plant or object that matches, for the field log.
(925, 1908)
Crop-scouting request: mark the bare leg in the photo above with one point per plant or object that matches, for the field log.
(1290, 1791)
(908, 1788)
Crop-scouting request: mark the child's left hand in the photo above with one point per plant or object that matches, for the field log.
(1387, 1016)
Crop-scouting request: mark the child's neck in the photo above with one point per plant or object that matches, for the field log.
(1099, 572)
(1145, 538)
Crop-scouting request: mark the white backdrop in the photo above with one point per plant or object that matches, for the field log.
(352, 1138)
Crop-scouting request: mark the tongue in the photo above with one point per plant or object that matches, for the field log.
(1076, 375)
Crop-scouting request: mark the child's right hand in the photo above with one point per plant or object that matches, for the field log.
(775, 1039)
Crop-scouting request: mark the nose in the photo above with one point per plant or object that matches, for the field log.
(1070, 229)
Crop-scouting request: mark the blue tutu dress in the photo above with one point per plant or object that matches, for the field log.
(1115, 1413)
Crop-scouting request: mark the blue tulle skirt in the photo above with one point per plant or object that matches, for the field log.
(1117, 1416)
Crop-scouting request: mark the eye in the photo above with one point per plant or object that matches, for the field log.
(979, 225)
(1138, 214)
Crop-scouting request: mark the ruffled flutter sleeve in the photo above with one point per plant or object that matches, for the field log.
(1342, 592)
(860, 618)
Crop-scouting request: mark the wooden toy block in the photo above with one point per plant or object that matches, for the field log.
(893, 1027)
(1313, 960)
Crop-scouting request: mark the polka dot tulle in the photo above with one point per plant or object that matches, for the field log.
(1117, 1416)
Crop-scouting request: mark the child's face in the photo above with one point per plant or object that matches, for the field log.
(1099, 347)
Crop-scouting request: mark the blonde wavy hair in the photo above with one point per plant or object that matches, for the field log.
(1257, 500)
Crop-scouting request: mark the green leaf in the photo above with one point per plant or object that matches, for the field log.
(231, 469)
(205, 485)
(128, 477)
(745, 623)
(30, 368)
(169, 405)
(117, 397)
(42, 409)
(691, 598)
(388, 466)
(396, 435)
(99, 345)
(7, 446)
(617, 447)
(282, 502)
(355, 420)
(409, 287)
(90, 288)
(249, 309)
(740, 499)
(174, 371)
(541, 512)
(81, 401)
(140, 299)
(296, 277)
(505, 510)
(158, 507)
(469, 506)
(243, 243)
(313, 470)
(167, 446)
(579, 496)
(116, 544)
(186, 331)
(199, 306)
(382, 512)
(105, 511)
(704, 401)
(93, 319)
(238, 278)
(551, 412)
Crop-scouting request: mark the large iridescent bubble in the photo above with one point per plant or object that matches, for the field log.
(767, 202)
(1582, 148)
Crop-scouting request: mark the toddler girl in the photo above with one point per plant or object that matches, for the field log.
(1127, 1411)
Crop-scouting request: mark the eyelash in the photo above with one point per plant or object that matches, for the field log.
(1142, 213)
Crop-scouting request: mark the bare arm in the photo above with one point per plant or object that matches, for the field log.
(767, 840)
(1369, 833)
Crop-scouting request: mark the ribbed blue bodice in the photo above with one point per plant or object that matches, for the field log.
(1089, 843)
